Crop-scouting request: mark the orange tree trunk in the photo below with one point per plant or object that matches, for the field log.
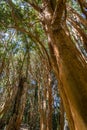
(70, 69)
(72, 73)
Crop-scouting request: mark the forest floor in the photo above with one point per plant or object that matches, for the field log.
(24, 127)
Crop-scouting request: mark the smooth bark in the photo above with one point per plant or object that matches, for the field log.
(71, 70)
(72, 73)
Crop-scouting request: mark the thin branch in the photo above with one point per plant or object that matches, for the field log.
(81, 33)
(33, 38)
(37, 8)
(78, 16)
(83, 6)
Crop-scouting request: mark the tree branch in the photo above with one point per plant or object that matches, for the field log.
(58, 13)
(83, 6)
(78, 16)
(37, 8)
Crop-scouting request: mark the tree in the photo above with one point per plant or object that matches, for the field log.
(66, 39)
(68, 68)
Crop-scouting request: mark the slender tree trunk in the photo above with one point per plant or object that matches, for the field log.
(7, 108)
(61, 116)
(42, 109)
(49, 114)
(66, 127)
(67, 106)
(19, 105)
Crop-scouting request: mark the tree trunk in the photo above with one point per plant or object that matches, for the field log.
(61, 115)
(72, 73)
(70, 69)
(19, 105)
(42, 109)
(67, 106)
(7, 108)
(49, 113)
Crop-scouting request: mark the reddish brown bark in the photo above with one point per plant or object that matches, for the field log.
(71, 70)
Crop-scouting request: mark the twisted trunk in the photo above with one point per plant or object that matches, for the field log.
(72, 73)
(70, 68)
